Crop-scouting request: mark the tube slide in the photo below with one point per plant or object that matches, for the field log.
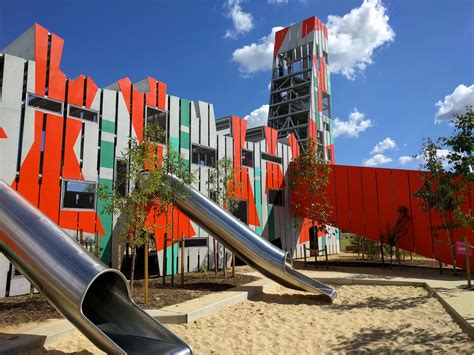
(96, 299)
(257, 252)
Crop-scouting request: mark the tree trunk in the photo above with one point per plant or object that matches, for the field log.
(145, 274)
(173, 262)
(165, 242)
(132, 268)
(450, 241)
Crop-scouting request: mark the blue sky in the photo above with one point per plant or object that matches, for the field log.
(394, 59)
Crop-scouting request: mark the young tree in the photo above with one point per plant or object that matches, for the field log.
(222, 186)
(309, 180)
(437, 192)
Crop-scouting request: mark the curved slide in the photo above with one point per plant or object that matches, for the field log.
(257, 252)
(96, 299)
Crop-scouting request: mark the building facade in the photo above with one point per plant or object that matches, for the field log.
(61, 138)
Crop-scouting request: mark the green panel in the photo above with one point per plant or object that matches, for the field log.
(169, 255)
(322, 242)
(107, 221)
(108, 126)
(258, 201)
(185, 114)
(107, 150)
(174, 143)
(185, 139)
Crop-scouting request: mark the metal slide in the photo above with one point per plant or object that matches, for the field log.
(96, 299)
(257, 252)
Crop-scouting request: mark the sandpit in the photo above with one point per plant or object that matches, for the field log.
(283, 321)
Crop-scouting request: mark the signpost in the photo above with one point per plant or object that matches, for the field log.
(463, 248)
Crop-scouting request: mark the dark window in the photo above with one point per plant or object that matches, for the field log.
(82, 113)
(2, 64)
(157, 118)
(195, 242)
(326, 126)
(241, 211)
(247, 158)
(276, 197)
(271, 158)
(204, 156)
(45, 104)
(121, 177)
(79, 194)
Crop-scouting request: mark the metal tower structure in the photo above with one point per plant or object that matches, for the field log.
(300, 91)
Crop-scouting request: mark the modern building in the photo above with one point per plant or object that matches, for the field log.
(60, 138)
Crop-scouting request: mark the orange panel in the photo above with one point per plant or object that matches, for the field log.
(356, 200)
(385, 198)
(161, 95)
(71, 167)
(420, 219)
(75, 91)
(138, 113)
(57, 79)
(151, 97)
(50, 188)
(402, 198)
(28, 185)
(41, 57)
(371, 207)
(342, 198)
(91, 91)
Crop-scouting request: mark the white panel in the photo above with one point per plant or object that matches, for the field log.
(212, 128)
(203, 110)
(89, 156)
(12, 87)
(28, 132)
(108, 105)
(174, 117)
(30, 82)
(221, 146)
(10, 123)
(194, 123)
(123, 127)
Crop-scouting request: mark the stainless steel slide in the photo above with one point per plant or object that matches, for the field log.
(94, 298)
(257, 252)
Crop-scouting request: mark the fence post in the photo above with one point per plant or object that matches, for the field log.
(304, 254)
(326, 253)
(233, 265)
(145, 276)
(182, 259)
(215, 257)
(467, 255)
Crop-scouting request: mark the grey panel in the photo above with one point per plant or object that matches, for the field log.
(28, 134)
(23, 46)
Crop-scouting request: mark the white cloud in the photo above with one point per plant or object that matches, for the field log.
(377, 159)
(354, 37)
(355, 124)
(405, 159)
(257, 117)
(277, 2)
(352, 41)
(242, 21)
(442, 155)
(382, 146)
(455, 103)
(256, 56)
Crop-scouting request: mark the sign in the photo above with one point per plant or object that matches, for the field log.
(461, 249)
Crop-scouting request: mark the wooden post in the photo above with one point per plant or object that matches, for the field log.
(145, 274)
(439, 256)
(182, 259)
(326, 252)
(165, 239)
(467, 247)
(215, 257)
(233, 265)
(304, 255)
(81, 236)
(97, 245)
(224, 262)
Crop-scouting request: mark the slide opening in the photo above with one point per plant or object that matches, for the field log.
(108, 306)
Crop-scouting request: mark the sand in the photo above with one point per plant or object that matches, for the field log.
(283, 321)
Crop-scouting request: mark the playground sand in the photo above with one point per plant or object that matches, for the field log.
(283, 321)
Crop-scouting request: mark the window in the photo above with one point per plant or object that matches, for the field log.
(78, 194)
(44, 103)
(82, 113)
(196, 242)
(241, 211)
(276, 197)
(271, 158)
(204, 156)
(121, 177)
(247, 158)
(157, 118)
